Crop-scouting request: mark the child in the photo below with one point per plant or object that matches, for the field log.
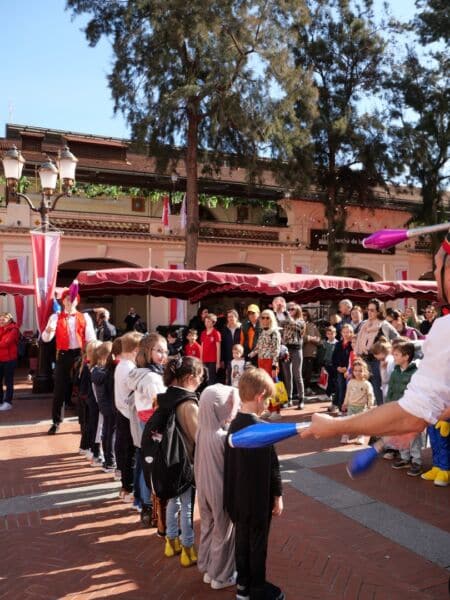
(193, 348)
(342, 359)
(110, 368)
(182, 377)
(217, 407)
(359, 395)
(329, 345)
(210, 340)
(124, 441)
(146, 382)
(382, 351)
(88, 407)
(405, 367)
(237, 365)
(252, 491)
(105, 404)
(268, 351)
(174, 343)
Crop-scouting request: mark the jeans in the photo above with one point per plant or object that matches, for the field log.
(7, 375)
(181, 504)
(124, 451)
(141, 491)
(341, 386)
(292, 372)
(375, 380)
(414, 452)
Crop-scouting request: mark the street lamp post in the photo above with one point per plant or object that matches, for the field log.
(13, 163)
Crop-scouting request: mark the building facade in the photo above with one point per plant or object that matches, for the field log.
(120, 228)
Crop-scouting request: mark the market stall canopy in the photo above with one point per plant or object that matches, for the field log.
(421, 289)
(195, 285)
(16, 289)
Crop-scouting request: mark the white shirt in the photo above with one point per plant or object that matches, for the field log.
(428, 392)
(121, 389)
(89, 332)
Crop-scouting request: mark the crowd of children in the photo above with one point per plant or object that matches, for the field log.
(130, 391)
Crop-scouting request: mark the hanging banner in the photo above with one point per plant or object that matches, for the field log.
(18, 273)
(165, 211)
(177, 308)
(45, 248)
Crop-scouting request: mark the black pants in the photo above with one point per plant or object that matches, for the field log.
(93, 414)
(124, 451)
(63, 382)
(83, 420)
(251, 552)
(108, 435)
(7, 375)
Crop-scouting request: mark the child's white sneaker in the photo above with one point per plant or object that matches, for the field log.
(360, 440)
(345, 439)
(220, 585)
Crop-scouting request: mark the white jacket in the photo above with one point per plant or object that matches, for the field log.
(146, 385)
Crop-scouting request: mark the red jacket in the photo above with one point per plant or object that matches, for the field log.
(9, 340)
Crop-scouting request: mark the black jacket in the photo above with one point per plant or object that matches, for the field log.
(252, 478)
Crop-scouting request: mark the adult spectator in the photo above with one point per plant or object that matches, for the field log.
(357, 318)
(9, 342)
(370, 332)
(279, 308)
(72, 330)
(250, 331)
(311, 343)
(430, 317)
(105, 330)
(344, 309)
(131, 319)
(198, 321)
(412, 320)
(231, 335)
(399, 323)
(292, 338)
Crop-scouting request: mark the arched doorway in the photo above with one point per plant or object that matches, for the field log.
(356, 273)
(119, 305)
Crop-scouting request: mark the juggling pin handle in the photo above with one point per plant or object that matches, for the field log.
(264, 434)
(365, 459)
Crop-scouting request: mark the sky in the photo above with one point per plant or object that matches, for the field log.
(50, 77)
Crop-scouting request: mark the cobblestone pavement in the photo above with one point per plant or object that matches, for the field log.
(65, 534)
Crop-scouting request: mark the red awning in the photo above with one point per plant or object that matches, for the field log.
(421, 289)
(196, 285)
(16, 289)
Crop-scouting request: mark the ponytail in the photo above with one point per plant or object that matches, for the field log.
(178, 369)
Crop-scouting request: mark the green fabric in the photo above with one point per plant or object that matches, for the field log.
(399, 381)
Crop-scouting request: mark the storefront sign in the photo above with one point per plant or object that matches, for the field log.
(349, 241)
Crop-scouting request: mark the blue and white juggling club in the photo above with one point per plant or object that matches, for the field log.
(56, 306)
(364, 460)
(264, 434)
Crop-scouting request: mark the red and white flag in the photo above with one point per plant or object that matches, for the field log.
(18, 273)
(45, 248)
(165, 211)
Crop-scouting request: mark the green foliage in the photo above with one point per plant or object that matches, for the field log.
(185, 74)
(433, 21)
(342, 47)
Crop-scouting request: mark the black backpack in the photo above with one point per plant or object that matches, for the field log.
(167, 468)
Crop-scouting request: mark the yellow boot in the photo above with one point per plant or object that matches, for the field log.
(431, 474)
(442, 478)
(172, 547)
(188, 556)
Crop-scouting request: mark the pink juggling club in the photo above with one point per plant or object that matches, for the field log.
(264, 434)
(385, 238)
(73, 290)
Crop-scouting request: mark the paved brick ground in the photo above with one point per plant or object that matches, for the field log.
(96, 548)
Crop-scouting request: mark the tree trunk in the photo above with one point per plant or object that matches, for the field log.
(336, 226)
(192, 214)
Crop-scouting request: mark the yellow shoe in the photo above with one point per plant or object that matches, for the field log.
(172, 547)
(188, 556)
(442, 478)
(431, 474)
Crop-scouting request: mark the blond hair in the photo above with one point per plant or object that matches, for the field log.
(359, 362)
(273, 320)
(101, 353)
(148, 342)
(130, 341)
(254, 382)
(89, 351)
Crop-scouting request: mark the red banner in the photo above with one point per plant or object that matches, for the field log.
(45, 266)
(17, 268)
(165, 211)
